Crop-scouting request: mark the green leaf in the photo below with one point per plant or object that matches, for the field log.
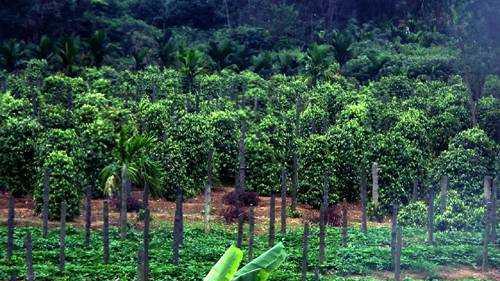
(260, 268)
(227, 265)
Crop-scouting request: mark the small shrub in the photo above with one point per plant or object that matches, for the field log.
(133, 204)
(375, 213)
(245, 198)
(230, 214)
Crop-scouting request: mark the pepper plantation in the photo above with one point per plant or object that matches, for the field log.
(402, 147)
(249, 140)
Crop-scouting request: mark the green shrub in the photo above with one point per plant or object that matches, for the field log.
(64, 184)
(459, 214)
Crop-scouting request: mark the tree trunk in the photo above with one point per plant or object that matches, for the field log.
(62, 238)
(430, 218)
(105, 230)
(123, 201)
(305, 250)
(45, 206)
(28, 245)
(444, 193)
(145, 235)
(208, 192)
(363, 195)
(10, 226)
(283, 202)
(251, 232)
(345, 238)
(375, 186)
(414, 193)
(88, 215)
(330, 13)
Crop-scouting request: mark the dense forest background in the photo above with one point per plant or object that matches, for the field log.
(134, 33)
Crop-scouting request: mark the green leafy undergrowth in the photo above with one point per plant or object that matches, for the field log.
(363, 254)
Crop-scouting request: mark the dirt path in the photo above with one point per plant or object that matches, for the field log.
(445, 273)
(163, 210)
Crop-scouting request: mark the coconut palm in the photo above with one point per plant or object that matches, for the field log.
(132, 164)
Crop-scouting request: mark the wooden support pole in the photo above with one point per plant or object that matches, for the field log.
(105, 230)
(272, 218)
(145, 234)
(10, 226)
(305, 250)
(251, 232)
(345, 237)
(363, 195)
(397, 255)
(208, 192)
(494, 197)
(322, 221)
(394, 227)
(88, 215)
(375, 185)
(178, 227)
(28, 245)
(430, 217)
(45, 205)
(62, 237)
(283, 202)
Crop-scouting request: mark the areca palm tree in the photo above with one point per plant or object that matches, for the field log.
(132, 164)
(318, 60)
(11, 53)
(68, 53)
(97, 47)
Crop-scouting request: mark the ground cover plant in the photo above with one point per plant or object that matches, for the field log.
(362, 256)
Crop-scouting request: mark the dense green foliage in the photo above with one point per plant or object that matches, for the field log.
(411, 85)
(363, 255)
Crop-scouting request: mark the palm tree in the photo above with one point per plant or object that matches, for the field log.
(98, 46)
(318, 60)
(68, 53)
(341, 42)
(132, 164)
(45, 48)
(11, 54)
(168, 53)
(192, 63)
(140, 56)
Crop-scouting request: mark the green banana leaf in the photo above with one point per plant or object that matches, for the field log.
(260, 268)
(227, 265)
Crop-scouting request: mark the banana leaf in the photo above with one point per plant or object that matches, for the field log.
(227, 265)
(260, 268)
